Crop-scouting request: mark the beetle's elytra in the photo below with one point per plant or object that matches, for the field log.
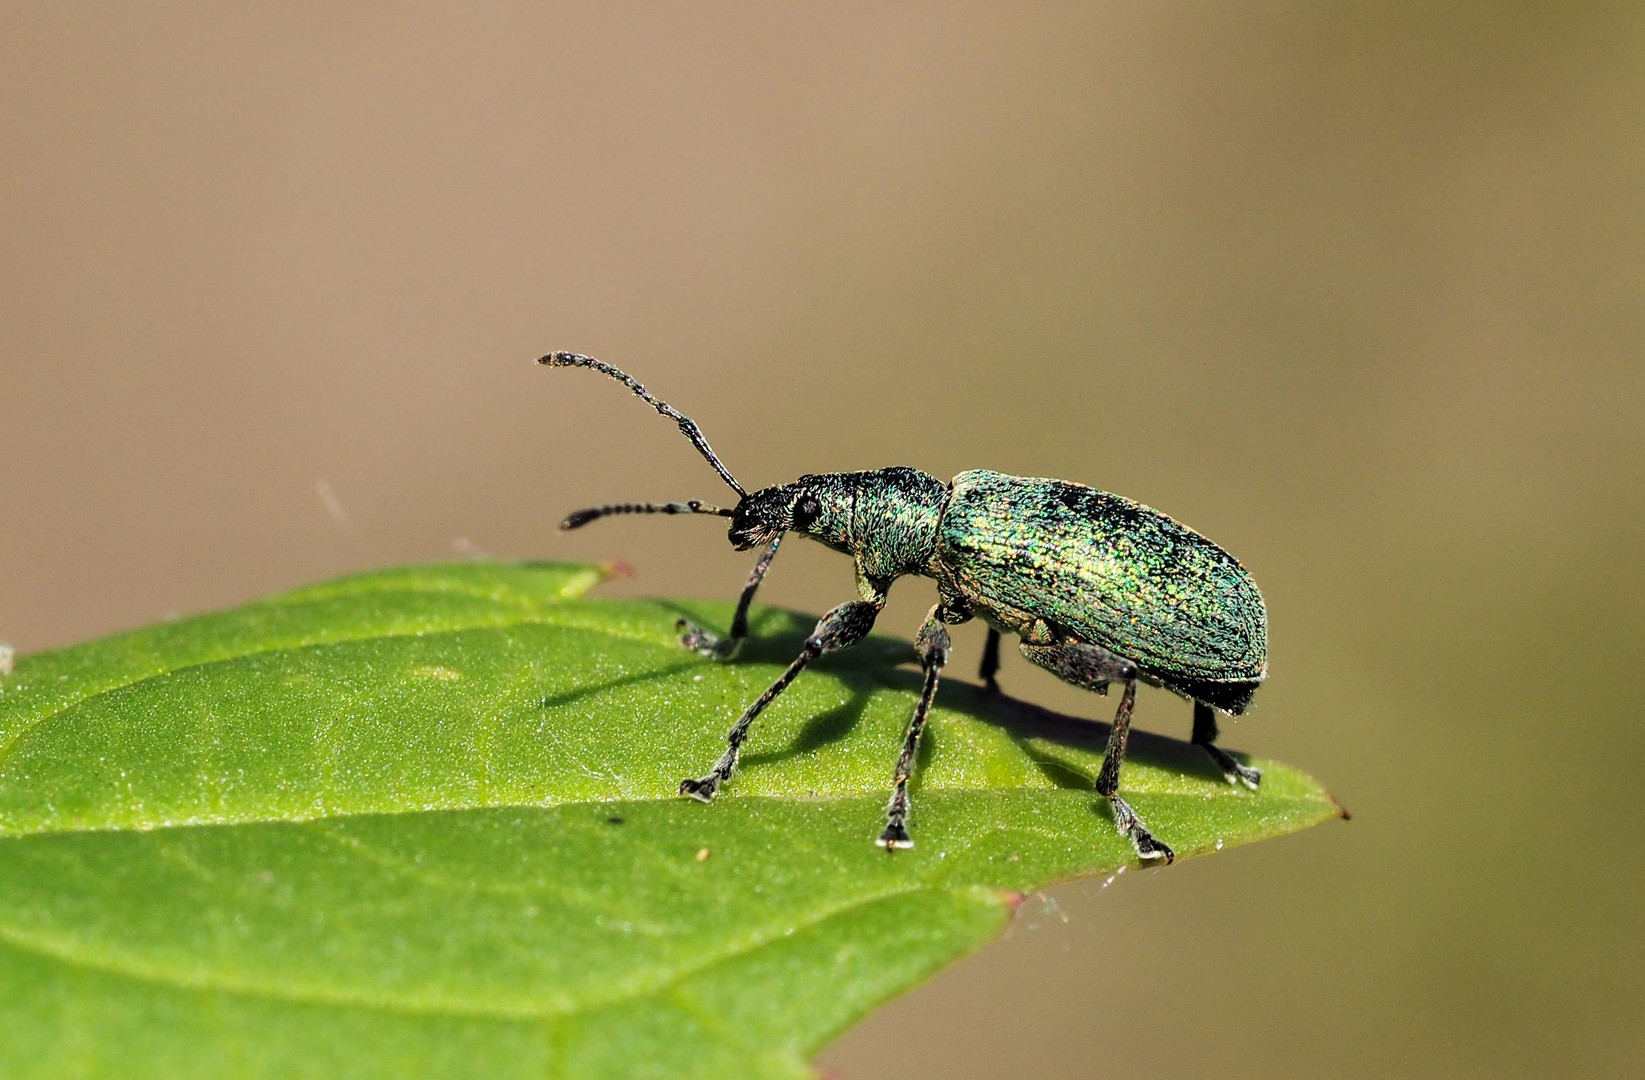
(1100, 589)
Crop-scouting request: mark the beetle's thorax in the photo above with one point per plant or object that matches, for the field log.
(887, 519)
(895, 520)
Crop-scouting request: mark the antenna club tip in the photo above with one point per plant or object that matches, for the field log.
(565, 359)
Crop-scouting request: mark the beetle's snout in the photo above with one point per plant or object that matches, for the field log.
(756, 520)
(761, 516)
(744, 534)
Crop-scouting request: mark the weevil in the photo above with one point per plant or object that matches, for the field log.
(1098, 588)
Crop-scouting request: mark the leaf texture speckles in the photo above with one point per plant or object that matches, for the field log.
(423, 823)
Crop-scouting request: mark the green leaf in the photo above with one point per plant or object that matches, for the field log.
(423, 823)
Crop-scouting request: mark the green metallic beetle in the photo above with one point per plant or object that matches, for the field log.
(1099, 588)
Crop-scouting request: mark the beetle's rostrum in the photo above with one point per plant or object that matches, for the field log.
(1098, 588)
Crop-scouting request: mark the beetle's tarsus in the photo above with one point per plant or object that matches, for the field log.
(701, 790)
(895, 838)
(704, 643)
(1234, 772)
(1125, 820)
(1149, 849)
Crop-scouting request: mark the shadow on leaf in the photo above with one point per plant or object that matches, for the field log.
(1040, 732)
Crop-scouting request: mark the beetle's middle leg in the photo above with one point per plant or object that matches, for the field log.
(1094, 667)
(1205, 736)
(844, 626)
(932, 647)
(713, 646)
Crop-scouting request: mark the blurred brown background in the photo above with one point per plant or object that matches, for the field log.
(1354, 289)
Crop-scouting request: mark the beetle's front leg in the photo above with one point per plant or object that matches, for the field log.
(844, 626)
(1094, 667)
(713, 646)
(932, 646)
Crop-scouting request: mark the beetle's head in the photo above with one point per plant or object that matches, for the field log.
(819, 506)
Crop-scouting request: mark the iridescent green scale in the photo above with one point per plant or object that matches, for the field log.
(1104, 569)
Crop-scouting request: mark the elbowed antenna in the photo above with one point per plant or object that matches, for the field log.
(688, 428)
(594, 513)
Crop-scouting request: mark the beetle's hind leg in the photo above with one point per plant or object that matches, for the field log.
(713, 646)
(990, 662)
(1093, 668)
(1205, 735)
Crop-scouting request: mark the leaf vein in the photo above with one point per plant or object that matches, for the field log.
(8, 748)
(65, 951)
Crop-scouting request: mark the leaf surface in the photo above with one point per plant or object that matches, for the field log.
(423, 823)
